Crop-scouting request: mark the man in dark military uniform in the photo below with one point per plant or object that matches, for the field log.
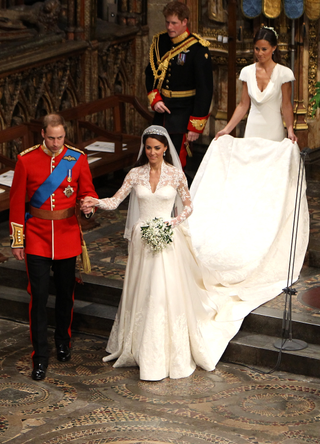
(179, 79)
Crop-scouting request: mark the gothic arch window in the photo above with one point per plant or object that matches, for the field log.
(43, 108)
(19, 116)
(68, 100)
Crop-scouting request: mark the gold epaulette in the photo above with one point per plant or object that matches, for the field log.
(28, 150)
(201, 40)
(74, 149)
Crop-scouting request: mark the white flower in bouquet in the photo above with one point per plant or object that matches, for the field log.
(157, 234)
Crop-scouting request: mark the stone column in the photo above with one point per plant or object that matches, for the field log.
(71, 19)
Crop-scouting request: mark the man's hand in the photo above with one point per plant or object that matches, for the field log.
(18, 253)
(192, 136)
(87, 204)
(160, 107)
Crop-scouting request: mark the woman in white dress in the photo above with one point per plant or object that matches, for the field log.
(165, 321)
(266, 85)
(244, 192)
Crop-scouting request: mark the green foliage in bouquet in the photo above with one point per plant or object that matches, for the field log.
(157, 234)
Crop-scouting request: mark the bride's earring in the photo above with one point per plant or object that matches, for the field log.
(164, 154)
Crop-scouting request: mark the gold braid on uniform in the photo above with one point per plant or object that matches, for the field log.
(28, 150)
(155, 48)
(163, 63)
(74, 149)
(201, 40)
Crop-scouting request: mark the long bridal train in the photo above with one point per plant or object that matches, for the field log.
(244, 197)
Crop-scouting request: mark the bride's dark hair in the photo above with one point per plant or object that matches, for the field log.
(270, 36)
(143, 160)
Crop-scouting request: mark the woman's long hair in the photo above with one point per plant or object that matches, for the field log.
(143, 159)
(270, 36)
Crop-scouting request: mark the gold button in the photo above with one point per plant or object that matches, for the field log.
(167, 86)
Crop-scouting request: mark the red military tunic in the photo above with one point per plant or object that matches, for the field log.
(56, 239)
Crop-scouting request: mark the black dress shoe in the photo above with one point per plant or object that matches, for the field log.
(38, 372)
(63, 353)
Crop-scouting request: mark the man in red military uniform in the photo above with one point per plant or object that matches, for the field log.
(54, 176)
(179, 79)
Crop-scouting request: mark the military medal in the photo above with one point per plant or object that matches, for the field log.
(68, 191)
(181, 59)
(69, 179)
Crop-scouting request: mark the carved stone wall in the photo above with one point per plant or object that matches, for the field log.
(34, 92)
(121, 71)
(83, 59)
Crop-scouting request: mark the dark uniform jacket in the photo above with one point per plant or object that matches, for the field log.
(180, 74)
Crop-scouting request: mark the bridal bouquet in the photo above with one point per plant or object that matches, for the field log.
(157, 234)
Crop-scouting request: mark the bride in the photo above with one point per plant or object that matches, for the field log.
(165, 321)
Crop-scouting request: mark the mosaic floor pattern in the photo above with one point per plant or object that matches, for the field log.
(86, 401)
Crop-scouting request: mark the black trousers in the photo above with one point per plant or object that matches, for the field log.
(39, 279)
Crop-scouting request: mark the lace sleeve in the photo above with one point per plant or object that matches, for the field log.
(111, 203)
(184, 194)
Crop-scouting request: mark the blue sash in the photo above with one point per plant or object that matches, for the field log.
(54, 180)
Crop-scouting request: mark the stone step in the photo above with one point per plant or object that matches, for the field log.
(258, 350)
(252, 346)
(88, 317)
(102, 292)
(94, 289)
(269, 322)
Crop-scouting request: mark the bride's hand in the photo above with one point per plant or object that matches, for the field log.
(87, 204)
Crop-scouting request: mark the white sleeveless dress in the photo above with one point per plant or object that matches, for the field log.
(265, 118)
(244, 199)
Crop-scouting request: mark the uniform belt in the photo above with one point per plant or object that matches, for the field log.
(52, 215)
(176, 94)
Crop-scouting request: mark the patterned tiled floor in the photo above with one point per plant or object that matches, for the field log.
(86, 401)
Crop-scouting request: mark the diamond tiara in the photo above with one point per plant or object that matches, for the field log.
(271, 29)
(157, 131)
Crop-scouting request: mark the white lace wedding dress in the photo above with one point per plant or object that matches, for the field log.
(165, 321)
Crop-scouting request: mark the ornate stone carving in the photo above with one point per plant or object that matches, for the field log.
(41, 16)
(313, 60)
(35, 92)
